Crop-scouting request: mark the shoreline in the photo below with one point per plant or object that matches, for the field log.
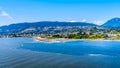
(47, 40)
(62, 39)
(59, 40)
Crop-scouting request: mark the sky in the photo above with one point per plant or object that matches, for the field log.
(91, 11)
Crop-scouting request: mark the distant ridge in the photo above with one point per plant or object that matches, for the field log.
(37, 26)
(21, 26)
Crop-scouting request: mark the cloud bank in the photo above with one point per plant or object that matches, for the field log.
(98, 22)
(84, 20)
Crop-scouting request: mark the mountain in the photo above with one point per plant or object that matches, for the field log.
(35, 25)
(114, 23)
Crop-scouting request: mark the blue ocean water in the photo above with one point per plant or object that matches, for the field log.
(28, 53)
(77, 48)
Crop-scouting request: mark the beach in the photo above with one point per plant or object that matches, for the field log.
(55, 40)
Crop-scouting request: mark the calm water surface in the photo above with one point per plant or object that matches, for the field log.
(27, 53)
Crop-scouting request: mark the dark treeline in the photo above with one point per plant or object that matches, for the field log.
(81, 36)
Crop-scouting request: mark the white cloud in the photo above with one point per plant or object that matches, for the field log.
(84, 20)
(73, 21)
(4, 13)
(98, 22)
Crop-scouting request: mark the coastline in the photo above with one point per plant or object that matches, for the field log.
(55, 40)
(47, 40)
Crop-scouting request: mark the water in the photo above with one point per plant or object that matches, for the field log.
(27, 53)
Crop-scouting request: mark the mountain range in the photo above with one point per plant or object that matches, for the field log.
(112, 23)
(21, 26)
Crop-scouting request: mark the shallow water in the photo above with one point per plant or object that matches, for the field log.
(27, 53)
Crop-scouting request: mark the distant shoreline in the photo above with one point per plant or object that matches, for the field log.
(62, 39)
(67, 40)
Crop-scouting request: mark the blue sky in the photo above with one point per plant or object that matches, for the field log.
(92, 11)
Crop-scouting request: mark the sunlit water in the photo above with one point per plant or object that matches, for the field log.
(28, 53)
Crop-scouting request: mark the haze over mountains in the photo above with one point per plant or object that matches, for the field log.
(20, 27)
